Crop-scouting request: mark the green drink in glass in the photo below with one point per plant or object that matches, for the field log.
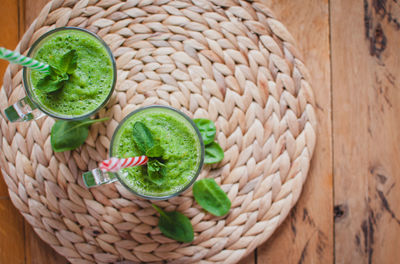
(178, 136)
(86, 91)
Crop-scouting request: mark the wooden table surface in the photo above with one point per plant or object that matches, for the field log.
(348, 211)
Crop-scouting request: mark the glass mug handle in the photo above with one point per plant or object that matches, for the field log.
(23, 110)
(97, 177)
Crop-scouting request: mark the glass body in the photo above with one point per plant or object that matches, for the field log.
(200, 147)
(35, 103)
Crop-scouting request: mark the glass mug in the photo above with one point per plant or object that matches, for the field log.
(159, 116)
(31, 106)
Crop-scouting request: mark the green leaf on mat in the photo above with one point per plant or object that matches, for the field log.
(175, 225)
(211, 197)
(213, 153)
(207, 129)
(69, 135)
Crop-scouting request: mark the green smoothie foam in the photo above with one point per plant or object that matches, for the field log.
(88, 87)
(180, 142)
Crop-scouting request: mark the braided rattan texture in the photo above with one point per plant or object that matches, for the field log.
(229, 61)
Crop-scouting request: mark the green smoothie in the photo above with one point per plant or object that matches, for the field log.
(90, 84)
(183, 151)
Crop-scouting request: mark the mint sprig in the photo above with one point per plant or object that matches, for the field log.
(156, 171)
(146, 144)
(58, 76)
(53, 81)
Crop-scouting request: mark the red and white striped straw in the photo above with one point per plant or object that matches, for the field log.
(115, 164)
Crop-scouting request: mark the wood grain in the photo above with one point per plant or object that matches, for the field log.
(32, 9)
(250, 259)
(365, 65)
(11, 233)
(11, 221)
(305, 219)
(9, 39)
(366, 125)
(37, 251)
(306, 235)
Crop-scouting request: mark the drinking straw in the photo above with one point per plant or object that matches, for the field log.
(103, 174)
(15, 57)
(115, 164)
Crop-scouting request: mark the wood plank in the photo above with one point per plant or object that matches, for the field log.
(9, 33)
(9, 39)
(306, 236)
(11, 233)
(249, 259)
(32, 10)
(37, 251)
(366, 125)
(11, 222)
(319, 169)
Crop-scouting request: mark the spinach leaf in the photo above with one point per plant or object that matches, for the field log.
(175, 225)
(155, 152)
(156, 171)
(207, 129)
(213, 153)
(211, 197)
(69, 135)
(142, 137)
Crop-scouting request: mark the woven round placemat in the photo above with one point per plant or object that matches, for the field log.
(229, 61)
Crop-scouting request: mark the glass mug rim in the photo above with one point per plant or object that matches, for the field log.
(28, 86)
(200, 164)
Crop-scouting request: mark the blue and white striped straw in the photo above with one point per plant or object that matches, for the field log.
(15, 57)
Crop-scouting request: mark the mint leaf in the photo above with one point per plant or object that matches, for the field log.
(52, 81)
(156, 171)
(68, 62)
(56, 73)
(57, 76)
(142, 137)
(155, 152)
(48, 85)
(144, 141)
